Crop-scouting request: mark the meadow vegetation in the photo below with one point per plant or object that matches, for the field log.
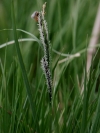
(25, 105)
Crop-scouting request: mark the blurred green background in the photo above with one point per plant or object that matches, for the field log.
(70, 25)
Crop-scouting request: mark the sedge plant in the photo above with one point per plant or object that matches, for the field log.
(46, 59)
(23, 97)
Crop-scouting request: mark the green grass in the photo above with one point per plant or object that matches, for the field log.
(24, 102)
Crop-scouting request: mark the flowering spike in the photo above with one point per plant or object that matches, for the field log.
(45, 62)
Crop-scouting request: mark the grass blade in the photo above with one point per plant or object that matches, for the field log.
(28, 89)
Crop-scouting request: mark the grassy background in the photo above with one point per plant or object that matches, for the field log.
(70, 25)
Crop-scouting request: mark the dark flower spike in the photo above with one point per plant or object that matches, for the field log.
(47, 73)
(45, 62)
